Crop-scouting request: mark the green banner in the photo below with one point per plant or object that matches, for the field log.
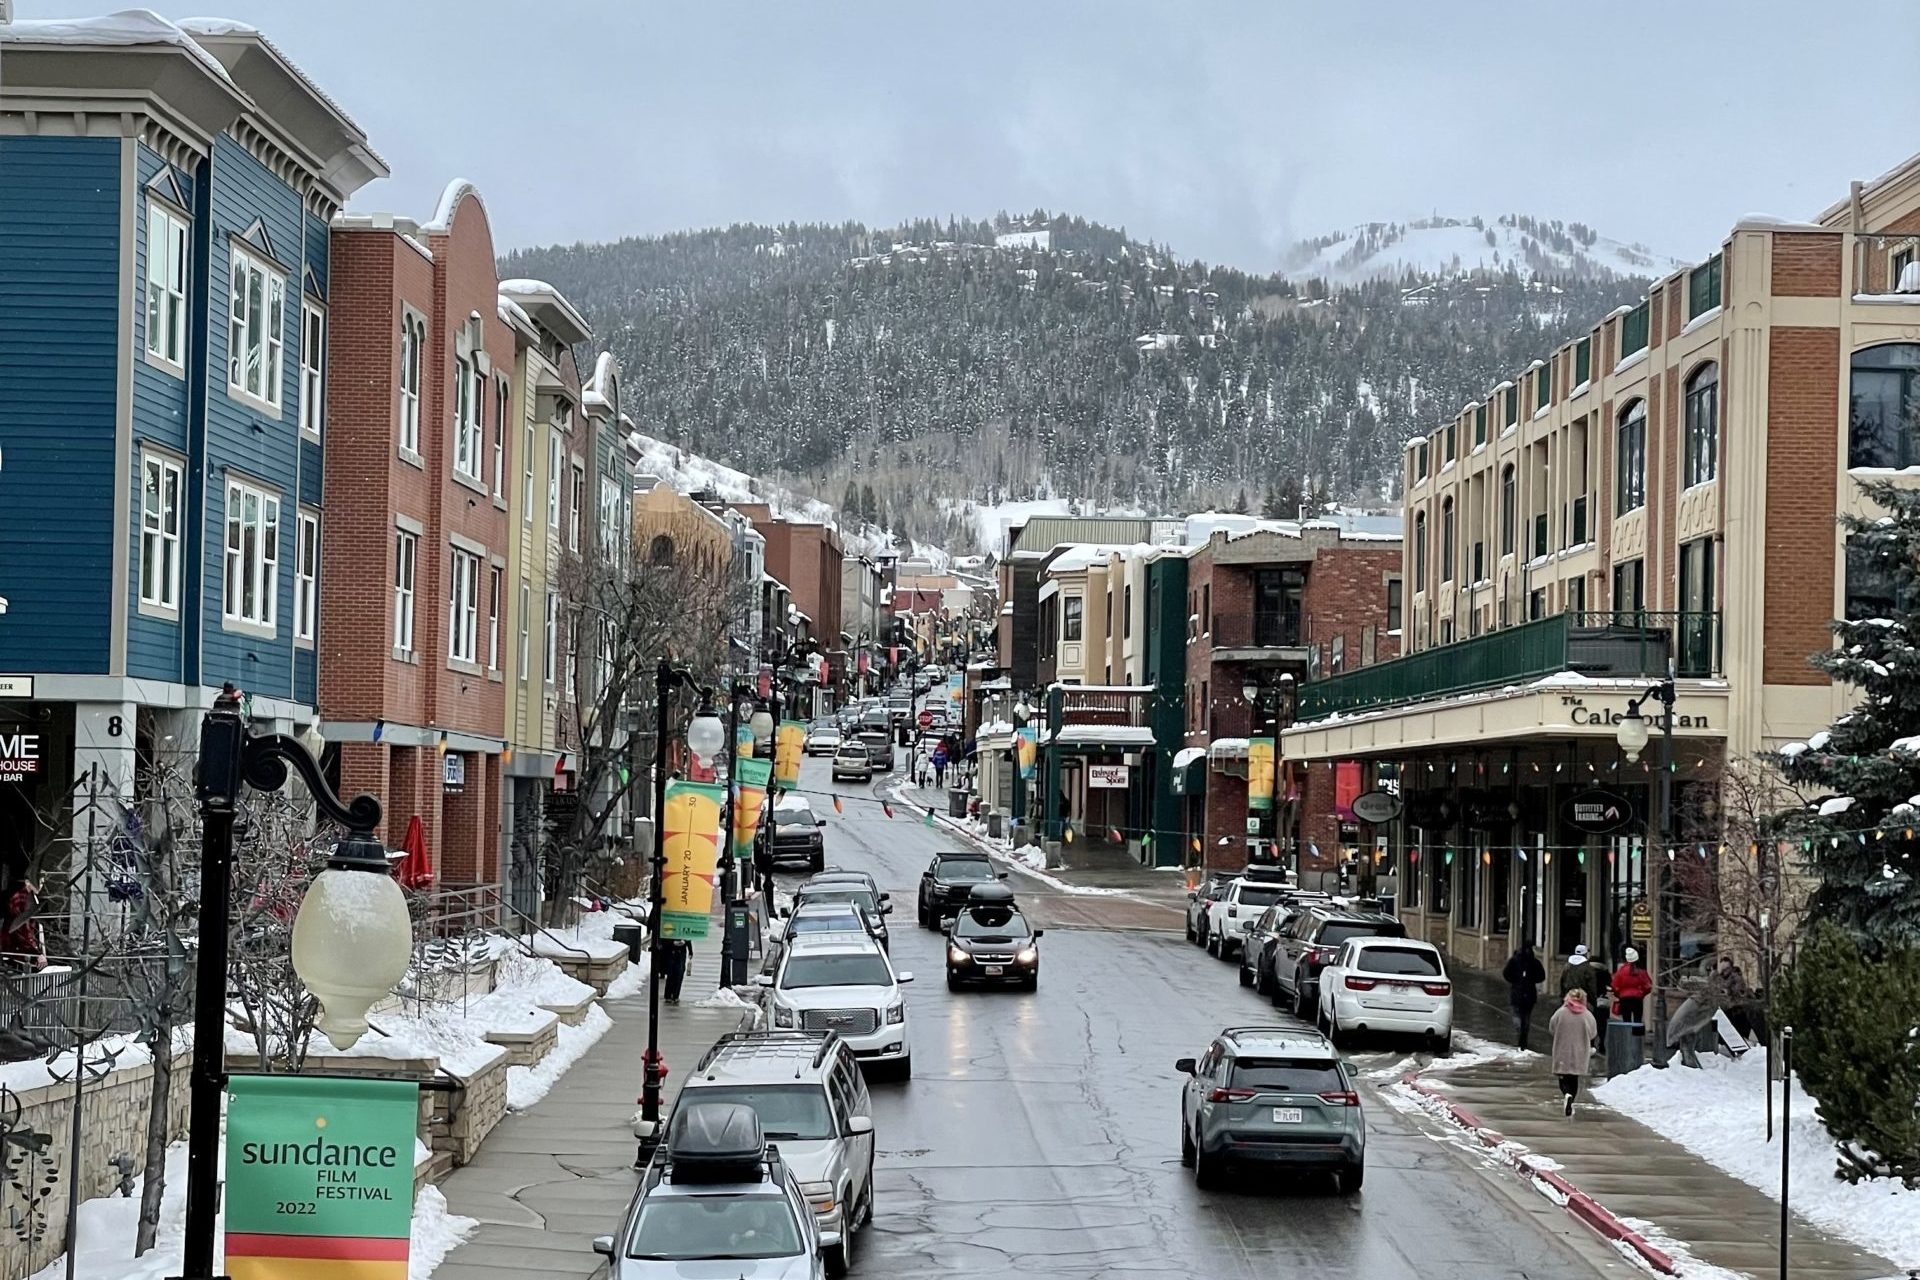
(310, 1158)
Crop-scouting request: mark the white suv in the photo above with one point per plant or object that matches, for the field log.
(1229, 914)
(843, 983)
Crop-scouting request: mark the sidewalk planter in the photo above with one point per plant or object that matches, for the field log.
(529, 1042)
(572, 1013)
(461, 1120)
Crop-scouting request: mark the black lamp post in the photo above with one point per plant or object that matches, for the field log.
(1633, 736)
(348, 957)
(703, 740)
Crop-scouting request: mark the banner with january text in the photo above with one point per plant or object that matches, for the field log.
(692, 856)
(749, 798)
(789, 742)
(319, 1177)
(1260, 774)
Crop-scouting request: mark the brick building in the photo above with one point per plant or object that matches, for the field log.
(415, 646)
(808, 559)
(1658, 494)
(1268, 607)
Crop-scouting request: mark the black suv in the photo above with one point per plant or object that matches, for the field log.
(947, 881)
(1309, 942)
(798, 834)
(991, 942)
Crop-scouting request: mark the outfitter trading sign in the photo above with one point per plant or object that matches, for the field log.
(319, 1177)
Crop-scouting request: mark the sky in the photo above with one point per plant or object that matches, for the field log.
(1226, 130)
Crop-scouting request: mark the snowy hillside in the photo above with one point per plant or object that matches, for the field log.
(1449, 246)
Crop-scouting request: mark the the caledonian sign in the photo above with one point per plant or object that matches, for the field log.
(1610, 716)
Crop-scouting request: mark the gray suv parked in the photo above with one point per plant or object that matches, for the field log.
(1276, 1096)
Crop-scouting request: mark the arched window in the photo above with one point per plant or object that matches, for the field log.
(1507, 513)
(1883, 407)
(1630, 459)
(1446, 540)
(1419, 551)
(660, 552)
(1703, 426)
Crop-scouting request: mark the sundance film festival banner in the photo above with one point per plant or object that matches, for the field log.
(1026, 751)
(749, 798)
(1260, 774)
(692, 852)
(743, 742)
(319, 1178)
(789, 741)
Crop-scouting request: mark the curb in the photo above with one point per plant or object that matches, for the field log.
(1577, 1202)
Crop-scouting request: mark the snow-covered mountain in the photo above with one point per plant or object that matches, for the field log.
(1453, 246)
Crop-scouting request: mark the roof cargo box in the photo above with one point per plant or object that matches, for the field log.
(716, 1142)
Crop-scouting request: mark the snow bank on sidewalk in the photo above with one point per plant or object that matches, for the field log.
(1719, 1113)
(107, 1224)
(527, 1085)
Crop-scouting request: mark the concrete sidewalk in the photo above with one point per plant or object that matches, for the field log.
(551, 1178)
(1635, 1174)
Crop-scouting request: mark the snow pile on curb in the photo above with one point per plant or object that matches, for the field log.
(106, 1229)
(1719, 1113)
(723, 998)
(527, 1085)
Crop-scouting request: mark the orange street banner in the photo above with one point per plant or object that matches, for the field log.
(749, 798)
(1260, 774)
(789, 741)
(692, 850)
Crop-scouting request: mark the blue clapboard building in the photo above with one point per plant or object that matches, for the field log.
(165, 192)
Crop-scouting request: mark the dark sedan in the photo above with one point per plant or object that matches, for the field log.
(993, 945)
(947, 881)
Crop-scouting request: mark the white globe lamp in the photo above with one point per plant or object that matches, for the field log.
(1632, 733)
(707, 734)
(352, 938)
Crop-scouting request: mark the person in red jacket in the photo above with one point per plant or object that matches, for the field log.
(1631, 986)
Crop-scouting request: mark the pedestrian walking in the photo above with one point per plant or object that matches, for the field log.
(674, 954)
(1632, 984)
(1524, 974)
(1572, 1029)
(21, 948)
(1582, 974)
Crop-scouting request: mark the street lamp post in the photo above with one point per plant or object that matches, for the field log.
(1633, 737)
(704, 736)
(732, 891)
(351, 939)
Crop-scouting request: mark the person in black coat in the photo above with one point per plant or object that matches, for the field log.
(1524, 974)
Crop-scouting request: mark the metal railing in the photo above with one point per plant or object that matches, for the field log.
(1626, 644)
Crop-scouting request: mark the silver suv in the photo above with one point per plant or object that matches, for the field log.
(813, 1104)
(1278, 1096)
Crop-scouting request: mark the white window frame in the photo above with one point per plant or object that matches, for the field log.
(526, 628)
(169, 246)
(556, 463)
(552, 637)
(527, 446)
(406, 568)
(313, 349)
(306, 576)
(463, 607)
(467, 439)
(496, 592)
(412, 339)
(500, 438)
(259, 561)
(160, 532)
(576, 495)
(244, 268)
(609, 517)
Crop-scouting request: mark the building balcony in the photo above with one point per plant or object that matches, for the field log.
(1244, 636)
(1602, 646)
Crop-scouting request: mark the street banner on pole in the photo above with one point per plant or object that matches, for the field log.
(1260, 774)
(319, 1177)
(692, 851)
(749, 798)
(789, 741)
(1026, 750)
(953, 688)
(743, 742)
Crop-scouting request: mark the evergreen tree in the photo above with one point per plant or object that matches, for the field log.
(869, 506)
(1240, 501)
(1865, 771)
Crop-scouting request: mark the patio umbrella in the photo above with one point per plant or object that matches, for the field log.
(416, 867)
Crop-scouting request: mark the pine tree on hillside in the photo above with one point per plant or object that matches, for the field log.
(1860, 834)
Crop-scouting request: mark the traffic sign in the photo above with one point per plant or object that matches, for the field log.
(926, 719)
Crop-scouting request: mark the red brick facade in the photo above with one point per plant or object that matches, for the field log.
(400, 714)
(1803, 388)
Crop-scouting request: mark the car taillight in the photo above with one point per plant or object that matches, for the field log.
(1322, 954)
(1233, 913)
(1361, 984)
(1341, 1099)
(1230, 1095)
(1437, 988)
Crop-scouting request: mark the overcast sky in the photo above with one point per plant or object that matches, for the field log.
(1226, 130)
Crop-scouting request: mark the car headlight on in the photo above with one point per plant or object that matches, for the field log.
(956, 956)
(1027, 955)
(897, 1013)
(819, 1195)
(782, 1017)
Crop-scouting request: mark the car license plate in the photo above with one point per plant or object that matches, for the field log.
(1286, 1115)
(994, 970)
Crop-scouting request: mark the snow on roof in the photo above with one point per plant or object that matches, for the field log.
(1091, 735)
(457, 190)
(1081, 556)
(217, 28)
(514, 314)
(532, 293)
(130, 28)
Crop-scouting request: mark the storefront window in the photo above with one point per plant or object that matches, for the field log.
(1440, 872)
(1471, 873)
(1500, 890)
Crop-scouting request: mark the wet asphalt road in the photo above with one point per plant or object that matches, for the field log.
(1039, 1134)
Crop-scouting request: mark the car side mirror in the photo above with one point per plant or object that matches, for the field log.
(999, 875)
(860, 1124)
(819, 822)
(1184, 1066)
(1039, 933)
(886, 897)
(903, 978)
(603, 1245)
(763, 980)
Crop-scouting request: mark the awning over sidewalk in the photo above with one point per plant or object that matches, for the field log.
(1102, 735)
(1187, 755)
(1227, 751)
